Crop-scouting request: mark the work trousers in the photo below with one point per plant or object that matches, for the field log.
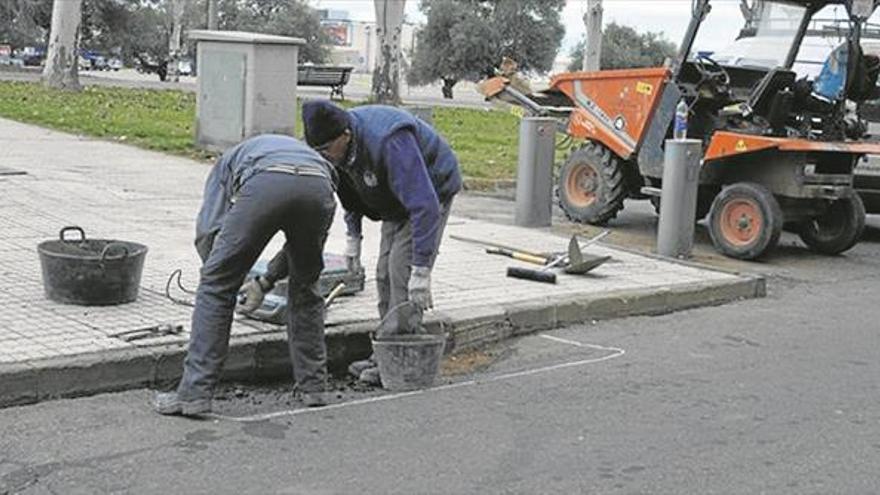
(300, 206)
(395, 260)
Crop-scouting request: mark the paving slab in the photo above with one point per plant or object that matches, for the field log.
(115, 191)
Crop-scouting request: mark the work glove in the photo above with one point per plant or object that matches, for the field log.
(251, 294)
(353, 253)
(420, 287)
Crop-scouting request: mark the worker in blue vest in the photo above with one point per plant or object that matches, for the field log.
(395, 168)
(264, 185)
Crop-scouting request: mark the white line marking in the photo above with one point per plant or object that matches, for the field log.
(615, 352)
(575, 343)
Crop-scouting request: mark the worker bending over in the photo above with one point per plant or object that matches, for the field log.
(395, 168)
(266, 184)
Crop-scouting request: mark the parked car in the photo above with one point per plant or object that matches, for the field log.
(100, 63)
(114, 64)
(35, 60)
(185, 67)
(12, 61)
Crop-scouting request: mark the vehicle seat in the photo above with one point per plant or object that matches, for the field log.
(761, 99)
(862, 72)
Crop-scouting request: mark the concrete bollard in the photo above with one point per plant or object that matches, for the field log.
(534, 177)
(678, 199)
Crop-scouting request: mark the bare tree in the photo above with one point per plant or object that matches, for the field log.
(62, 66)
(593, 23)
(178, 8)
(386, 74)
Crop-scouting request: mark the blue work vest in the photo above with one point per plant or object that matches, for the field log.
(367, 173)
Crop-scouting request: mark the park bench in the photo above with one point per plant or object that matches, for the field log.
(333, 76)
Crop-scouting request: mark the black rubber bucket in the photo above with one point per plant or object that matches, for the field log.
(91, 272)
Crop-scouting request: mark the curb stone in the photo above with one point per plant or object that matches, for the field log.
(265, 356)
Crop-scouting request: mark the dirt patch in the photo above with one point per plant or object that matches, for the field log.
(243, 398)
(471, 361)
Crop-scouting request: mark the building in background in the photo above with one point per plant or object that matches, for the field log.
(354, 42)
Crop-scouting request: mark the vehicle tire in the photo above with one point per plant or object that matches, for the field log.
(839, 229)
(704, 204)
(745, 221)
(592, 185)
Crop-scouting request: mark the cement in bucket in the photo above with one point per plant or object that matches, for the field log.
(408, 362)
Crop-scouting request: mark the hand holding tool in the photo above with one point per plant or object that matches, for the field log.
(251, 295)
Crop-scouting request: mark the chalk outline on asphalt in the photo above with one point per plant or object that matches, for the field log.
(616, 352)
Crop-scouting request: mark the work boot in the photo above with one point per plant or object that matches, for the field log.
(358, 367)
(370, 376)
(314, 399)
(170, 403)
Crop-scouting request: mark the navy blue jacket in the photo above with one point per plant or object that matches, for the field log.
(398, 167)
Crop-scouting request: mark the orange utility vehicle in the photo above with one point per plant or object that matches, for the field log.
(777, 151)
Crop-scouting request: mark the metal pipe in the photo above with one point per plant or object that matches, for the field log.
(524, 100)
(534, 177)
(678, 200)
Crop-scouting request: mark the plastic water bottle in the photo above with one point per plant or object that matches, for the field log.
(680, 129)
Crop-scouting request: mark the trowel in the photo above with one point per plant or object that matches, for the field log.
(578, 264)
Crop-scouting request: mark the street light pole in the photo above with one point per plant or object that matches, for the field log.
(213, 20)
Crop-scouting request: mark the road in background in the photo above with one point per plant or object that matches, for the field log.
(358, 88)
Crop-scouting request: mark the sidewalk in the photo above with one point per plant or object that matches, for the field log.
(121, 192)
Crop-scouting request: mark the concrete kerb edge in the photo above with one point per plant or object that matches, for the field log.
(18, 384)
(266, 355)
(540, 316)
(677, 261)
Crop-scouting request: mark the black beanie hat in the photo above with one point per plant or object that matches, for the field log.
(323, 122)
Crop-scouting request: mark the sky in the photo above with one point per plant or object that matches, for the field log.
(667, 16)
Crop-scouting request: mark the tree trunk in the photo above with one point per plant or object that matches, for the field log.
(213, 19)
(178, 8)
(386, 74)
(448, 84)
(62, 65)
(593, 42)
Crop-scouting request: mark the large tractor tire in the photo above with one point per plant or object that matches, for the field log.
(592, 185)
(839, 229)
(745, 221)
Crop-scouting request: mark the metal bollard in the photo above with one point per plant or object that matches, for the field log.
(678, 199)
(534, 176)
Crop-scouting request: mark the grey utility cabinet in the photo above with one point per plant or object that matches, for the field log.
(246, 86)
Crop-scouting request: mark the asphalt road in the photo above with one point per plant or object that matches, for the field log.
(778, 395)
